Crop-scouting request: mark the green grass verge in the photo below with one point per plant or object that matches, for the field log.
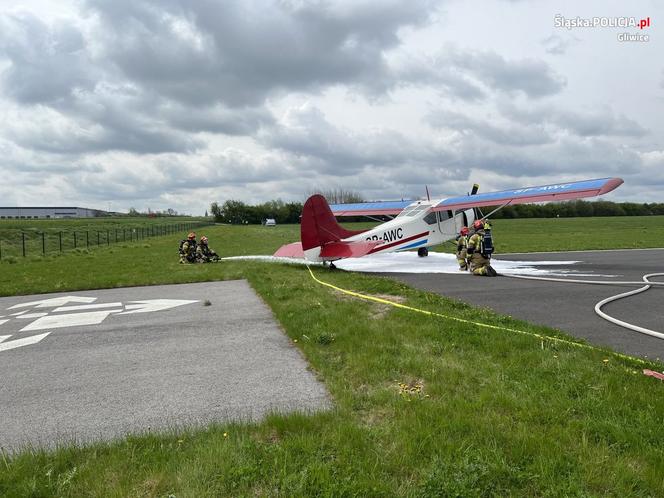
(45, 237)
(423, 406)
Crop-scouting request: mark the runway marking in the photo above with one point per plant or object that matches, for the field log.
(55, 302)
(61, 318)
(17, 343)
(31, 315)
(154, 305)
(67, 320)
(87, 307)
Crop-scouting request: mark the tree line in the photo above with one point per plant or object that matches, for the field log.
(238, 212)
(572, 209)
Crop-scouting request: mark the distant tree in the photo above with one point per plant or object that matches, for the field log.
(292, 212)
(338, 195)
(216, 211)
(133, 212)
(236, 212)
(607, 208)
(206, 213)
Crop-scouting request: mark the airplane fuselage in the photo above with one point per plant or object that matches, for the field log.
(416, 226)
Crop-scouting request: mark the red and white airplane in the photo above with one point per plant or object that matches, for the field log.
(418, 224)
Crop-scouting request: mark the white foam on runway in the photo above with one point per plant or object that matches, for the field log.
(435, 262)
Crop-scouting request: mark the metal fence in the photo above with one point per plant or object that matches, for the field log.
(24, 243)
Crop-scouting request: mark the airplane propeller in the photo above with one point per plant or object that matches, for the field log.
(476, 211)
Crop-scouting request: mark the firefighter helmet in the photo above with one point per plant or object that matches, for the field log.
(478, 225)
(191, 236)
(464, 231)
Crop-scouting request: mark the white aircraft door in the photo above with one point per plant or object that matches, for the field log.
(447, 224)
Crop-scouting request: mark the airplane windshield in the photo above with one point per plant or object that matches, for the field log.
(412, 211)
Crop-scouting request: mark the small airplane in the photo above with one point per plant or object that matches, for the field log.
(417, 224)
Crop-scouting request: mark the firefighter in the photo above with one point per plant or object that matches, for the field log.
(462, 244)
(203, 252)
(480, 249)
(188, 249)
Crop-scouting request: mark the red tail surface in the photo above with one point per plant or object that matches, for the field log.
(319, 226)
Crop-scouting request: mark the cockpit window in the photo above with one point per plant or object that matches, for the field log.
(430, 218)
(444, 215)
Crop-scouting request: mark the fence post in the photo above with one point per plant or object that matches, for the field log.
(43, 244)
(23, 238)
(60, 240)
(108, 237)
(97, 237)
(87, 239)
(75, 239)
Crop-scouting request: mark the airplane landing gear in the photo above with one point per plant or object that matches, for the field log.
(423, 252)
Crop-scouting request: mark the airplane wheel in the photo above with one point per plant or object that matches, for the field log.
(422, 252)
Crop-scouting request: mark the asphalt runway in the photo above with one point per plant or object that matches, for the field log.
(94, 365)
(566, 306)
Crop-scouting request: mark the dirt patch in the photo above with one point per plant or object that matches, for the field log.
(378, 310)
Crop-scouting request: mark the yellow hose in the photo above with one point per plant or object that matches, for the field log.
(478, 324)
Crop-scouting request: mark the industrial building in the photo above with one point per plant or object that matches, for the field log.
(45, 213)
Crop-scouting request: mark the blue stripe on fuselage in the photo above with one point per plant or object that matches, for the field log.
(415, 244)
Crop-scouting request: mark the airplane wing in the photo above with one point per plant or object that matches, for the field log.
(542, 193)
(369, 208)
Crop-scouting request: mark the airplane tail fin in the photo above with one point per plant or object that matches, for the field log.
(319, 226)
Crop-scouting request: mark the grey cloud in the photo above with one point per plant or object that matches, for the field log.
(587, 123)
(157, 71)
(500, 134)
(108, 128)
(218, 119)
(534, 78)
(306, 132)
(568, 156)
(242, 52)
(47, 62)
(432, 72)
(472, 76)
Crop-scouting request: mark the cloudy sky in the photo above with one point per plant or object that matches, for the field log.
(178, 103)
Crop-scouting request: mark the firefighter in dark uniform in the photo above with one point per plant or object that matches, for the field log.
(462, 244)
(188, 249)
(203, 252)
(480, 248)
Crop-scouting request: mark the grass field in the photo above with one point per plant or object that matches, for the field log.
(423, 406)
(50, 236)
